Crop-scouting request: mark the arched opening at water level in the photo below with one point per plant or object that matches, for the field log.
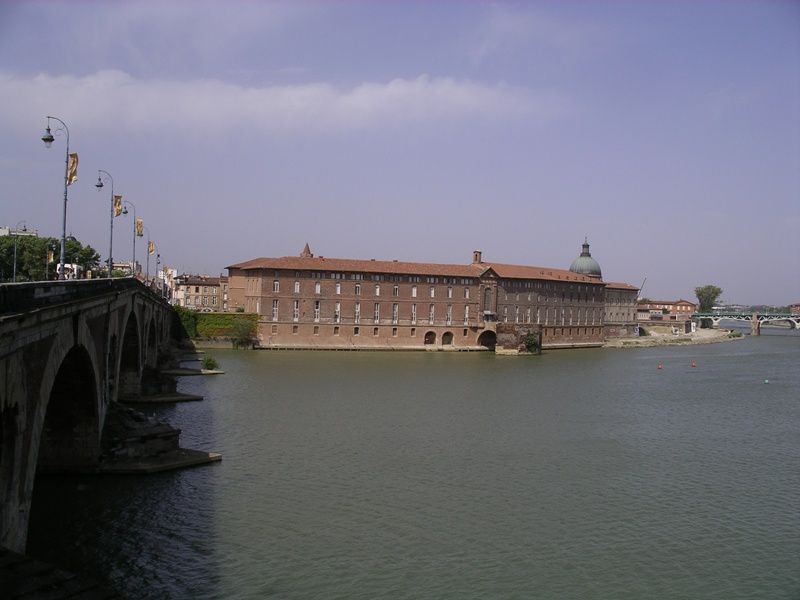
(71, 433)
(488, 339)
(129, 382)
(430, 338)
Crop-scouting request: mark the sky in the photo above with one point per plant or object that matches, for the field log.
(666, 132)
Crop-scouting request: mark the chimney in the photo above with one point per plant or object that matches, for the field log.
(476, 257)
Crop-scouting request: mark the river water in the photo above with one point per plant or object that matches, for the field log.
(575, 474)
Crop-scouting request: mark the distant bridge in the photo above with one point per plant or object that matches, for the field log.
(68, 350)
(755, 319)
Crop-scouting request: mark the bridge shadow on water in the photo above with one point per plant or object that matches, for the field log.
(147, 536)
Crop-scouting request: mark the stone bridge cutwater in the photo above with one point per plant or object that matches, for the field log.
(756, 320)
(69, 351)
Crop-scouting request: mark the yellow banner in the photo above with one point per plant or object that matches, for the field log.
(139, 228)
(72, 168)
(49, 256)
(151, 247)
(117, 206)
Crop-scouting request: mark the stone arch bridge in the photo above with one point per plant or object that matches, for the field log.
(68, 350)
(756, 320)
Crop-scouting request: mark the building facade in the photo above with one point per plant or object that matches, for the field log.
(201, 292)
(313, 301)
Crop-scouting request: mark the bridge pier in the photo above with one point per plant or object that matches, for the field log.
(755, 325)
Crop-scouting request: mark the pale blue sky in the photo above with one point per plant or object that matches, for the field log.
(669, 133)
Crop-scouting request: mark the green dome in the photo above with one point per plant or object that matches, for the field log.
(585, 264)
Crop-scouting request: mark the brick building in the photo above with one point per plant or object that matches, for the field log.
(663, 310)
(313, 301)
(201, 292)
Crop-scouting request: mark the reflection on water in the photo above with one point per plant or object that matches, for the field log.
(575, 474)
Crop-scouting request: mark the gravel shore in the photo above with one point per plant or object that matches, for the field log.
(701, 336)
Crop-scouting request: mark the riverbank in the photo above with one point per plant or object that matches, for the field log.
(701, 336)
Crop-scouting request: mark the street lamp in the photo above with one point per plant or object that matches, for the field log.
(99, 186)
(48, 139)
(125, 212)
(16, 235)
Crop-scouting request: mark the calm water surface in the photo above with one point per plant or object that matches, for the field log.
(576, 474)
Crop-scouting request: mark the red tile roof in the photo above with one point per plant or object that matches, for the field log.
(319, 263)
(620, 286)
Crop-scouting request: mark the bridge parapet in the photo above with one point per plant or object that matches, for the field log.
(23, 297)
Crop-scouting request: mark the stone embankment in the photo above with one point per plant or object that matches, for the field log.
(701, 336)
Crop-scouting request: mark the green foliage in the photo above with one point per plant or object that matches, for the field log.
(210, 363)
(707, 296)
(531, 343)
(32, 262)
(188, 319)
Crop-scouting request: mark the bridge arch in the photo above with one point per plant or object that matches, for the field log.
(70, 434)
(130, 355)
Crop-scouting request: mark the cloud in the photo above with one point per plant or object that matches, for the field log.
(115, 99)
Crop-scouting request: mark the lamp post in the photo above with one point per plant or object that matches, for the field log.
(16, 235)
(99, 186)
(125, 212)
(48, 139)
(158, 271)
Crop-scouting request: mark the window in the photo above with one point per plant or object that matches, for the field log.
(394, 331)
(466, 314)
(316, 329)
(377, 313)
(357, 316)
(466, 293)
(377, 289)
(294, 329)
(395, 290)
(296, 287)
(337, 313)
(505, 314)
(413, 314)
(274, 310)
(516, 314)
(358, 289)
(338, 288)
(431, 313)
(274, 329)
(356, 330)
(197, 289)
(316, 310)
(296, 310)
(317, 287)
(465, 333)
(433, 292)
(276, 286)
(375, 332)
(335, 331)
(413, 332)
(213, 301)
(413, 291)
(449, 314)
(395, 313)
(449, 292)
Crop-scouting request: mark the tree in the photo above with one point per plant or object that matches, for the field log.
(707, 297)
(32, 264)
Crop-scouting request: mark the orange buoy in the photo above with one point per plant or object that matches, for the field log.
(694, 364)
(660, 366)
